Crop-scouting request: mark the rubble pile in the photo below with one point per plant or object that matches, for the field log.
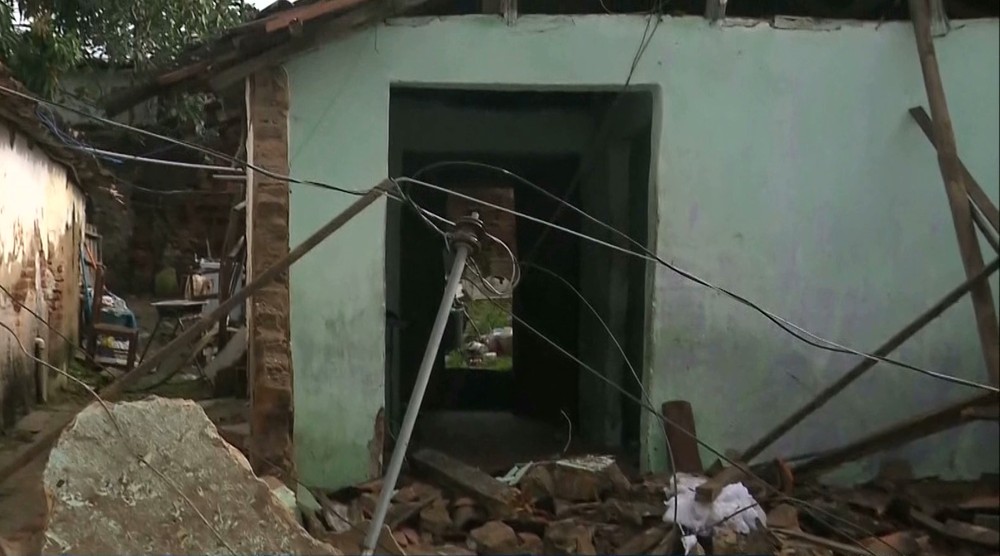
(155, 476)
(588, 506)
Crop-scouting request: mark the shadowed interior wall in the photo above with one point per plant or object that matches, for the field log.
(785, 166)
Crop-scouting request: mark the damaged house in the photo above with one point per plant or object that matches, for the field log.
(771, 155)
(45, 188)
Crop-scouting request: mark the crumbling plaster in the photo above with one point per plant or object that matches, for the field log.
(41, 223)
(785, 167)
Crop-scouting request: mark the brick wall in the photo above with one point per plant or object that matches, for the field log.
(270, 358)
(493, 260)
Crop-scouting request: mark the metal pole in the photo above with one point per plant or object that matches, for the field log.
(464, 240)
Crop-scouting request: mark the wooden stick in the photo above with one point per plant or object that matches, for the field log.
(861, 368)
(898, 434)
(956, 188)
(110, 392)
(977, 196)
(678, 418)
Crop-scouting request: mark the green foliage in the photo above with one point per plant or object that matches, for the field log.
(53, 36)
(486, 315)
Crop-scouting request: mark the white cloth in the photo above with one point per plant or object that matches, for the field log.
(698, 518)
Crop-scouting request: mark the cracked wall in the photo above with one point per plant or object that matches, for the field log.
(42, 216)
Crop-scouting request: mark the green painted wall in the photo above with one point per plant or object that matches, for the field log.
(787, 169)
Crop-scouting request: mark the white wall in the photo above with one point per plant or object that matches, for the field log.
(41, 222)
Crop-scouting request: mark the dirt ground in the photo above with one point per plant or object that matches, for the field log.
(22, 502)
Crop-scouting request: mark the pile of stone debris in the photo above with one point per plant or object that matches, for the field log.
(155, 476)
(588, 506)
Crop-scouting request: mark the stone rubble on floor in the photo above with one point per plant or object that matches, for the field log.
(103, 499)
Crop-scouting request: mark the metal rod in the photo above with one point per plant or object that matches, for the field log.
(413, 408)
(115, 389)
(861, 368)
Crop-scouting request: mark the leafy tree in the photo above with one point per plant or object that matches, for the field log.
(42, 39)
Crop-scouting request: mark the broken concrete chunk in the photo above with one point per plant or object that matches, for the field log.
(643, 542)
(588, 478)
(416, 492)
(104, 500)
(537, 484)
(350, 541)
(530, 543)
(569, 537)
(494, 538)
(466, 516)
(497, 498)
(435, 518)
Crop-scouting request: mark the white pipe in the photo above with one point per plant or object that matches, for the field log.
(413, 408)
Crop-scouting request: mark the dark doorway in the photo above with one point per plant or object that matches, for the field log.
(522, 407)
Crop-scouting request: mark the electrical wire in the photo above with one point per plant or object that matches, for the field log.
(193, 146)
(621, 350)
(172, 191)
(426, 215)
(782, 323)
(649, 30)
(792, 328)
(718, 453)
(161, 161)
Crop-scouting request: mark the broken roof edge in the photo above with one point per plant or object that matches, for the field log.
(82, 169)
(275, 36)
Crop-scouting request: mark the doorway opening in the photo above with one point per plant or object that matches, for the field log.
(501, 392)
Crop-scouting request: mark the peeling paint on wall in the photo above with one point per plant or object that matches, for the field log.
(41, 225)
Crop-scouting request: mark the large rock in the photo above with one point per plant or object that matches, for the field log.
(104, 500)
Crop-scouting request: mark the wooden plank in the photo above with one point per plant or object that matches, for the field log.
(112, 391)
(678, 418)
(861, 368)
(282, 20)
(708, 491)
(956, 188)
(319, 33)
(958, 530)
(898, 434)
(976, 193)
(498, 498)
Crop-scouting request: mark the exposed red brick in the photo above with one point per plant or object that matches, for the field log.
(270, 360)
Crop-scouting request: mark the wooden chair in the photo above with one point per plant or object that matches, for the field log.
(97, 328)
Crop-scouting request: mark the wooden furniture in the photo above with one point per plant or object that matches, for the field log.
(176, 310)
(97, 328)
